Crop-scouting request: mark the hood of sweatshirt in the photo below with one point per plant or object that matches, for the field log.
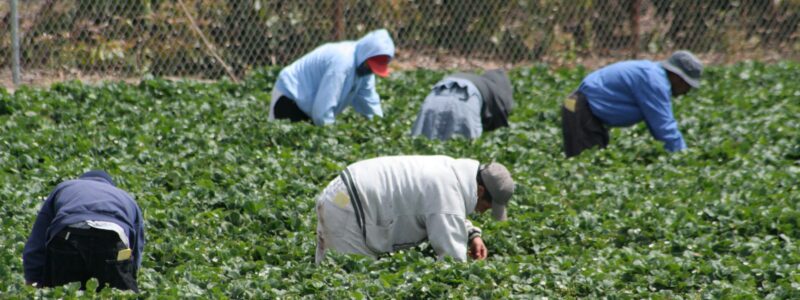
(375, 43)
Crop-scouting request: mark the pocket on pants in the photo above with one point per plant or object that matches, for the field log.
(120, 265)
(62, 248)
(64, 263)
(379, 236)
(119, 274)
(334, 209)
(335, 220)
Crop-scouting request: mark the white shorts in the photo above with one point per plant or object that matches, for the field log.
(337, 227)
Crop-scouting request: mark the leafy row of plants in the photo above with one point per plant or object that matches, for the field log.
(228, 197)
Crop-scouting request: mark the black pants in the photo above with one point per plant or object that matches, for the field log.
(582, 130)
(80, 254)
(286, 108)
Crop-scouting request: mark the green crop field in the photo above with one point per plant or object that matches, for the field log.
(228, 197)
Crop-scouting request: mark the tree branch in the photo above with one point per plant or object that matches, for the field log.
(208, 44)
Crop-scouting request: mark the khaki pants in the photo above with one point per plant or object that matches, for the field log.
(337, 227)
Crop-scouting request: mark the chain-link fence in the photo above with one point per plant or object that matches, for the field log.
(212, 38)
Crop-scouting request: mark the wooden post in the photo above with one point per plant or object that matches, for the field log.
(635, 5)
(338, 20)
(211, 49)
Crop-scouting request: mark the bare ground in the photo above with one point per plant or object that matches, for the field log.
(406, 60)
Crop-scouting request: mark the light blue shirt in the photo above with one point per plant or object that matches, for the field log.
(453, 107)
(625, 93)
(324, 82)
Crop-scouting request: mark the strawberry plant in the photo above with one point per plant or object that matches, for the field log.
(228, 197)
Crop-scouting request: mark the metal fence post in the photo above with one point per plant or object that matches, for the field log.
(14, 43)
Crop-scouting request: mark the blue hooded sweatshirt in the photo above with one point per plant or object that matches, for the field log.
(324, 82)
(92, 197)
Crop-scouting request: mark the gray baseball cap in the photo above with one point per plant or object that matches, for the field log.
(499, 185)
(686, 65)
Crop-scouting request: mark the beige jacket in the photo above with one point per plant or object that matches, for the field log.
(401, 201)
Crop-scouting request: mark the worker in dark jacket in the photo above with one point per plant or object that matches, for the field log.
(87, 228)
(626, 93)
(466, 105)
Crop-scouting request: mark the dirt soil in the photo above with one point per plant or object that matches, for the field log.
(405, 60)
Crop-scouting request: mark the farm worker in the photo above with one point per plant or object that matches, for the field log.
(86, 228)
(321, 84)
(390, 203)
(625, 93)
(466, 105)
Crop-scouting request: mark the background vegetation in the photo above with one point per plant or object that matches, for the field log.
(137, 37)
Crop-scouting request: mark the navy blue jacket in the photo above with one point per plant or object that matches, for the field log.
(74, 201)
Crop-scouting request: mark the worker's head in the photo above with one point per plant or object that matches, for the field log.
(495, 188)
(374, 51)
(98, 175)
(683, 72)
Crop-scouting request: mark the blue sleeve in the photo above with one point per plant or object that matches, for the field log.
(139, 238)
(367, 101)
(33, 256)
(327, 98)
(656, 107)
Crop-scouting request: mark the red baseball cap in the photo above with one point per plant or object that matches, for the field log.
(379, 65)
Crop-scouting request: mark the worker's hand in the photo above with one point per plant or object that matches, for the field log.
(477, 250)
